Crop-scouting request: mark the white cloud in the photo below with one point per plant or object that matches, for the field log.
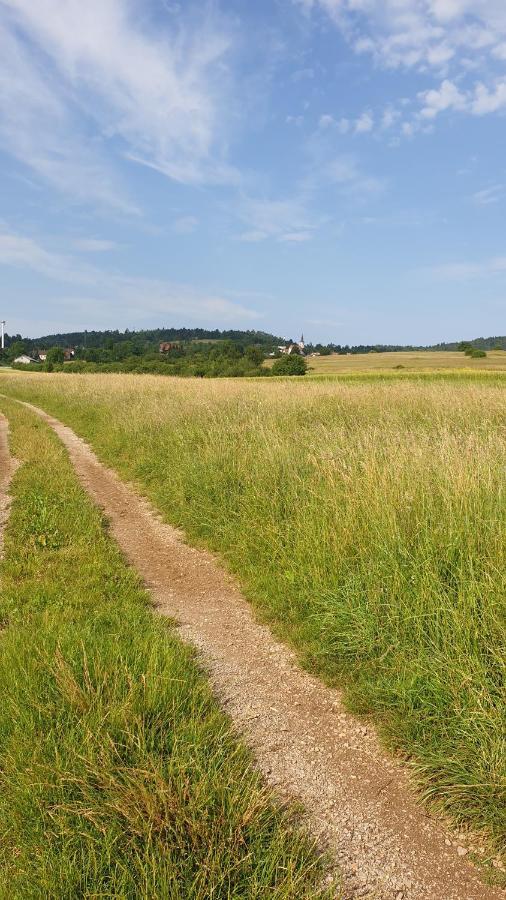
(489, 100)
(25, 253)
(37, 127)
(281, 220)
(415, 33)
(95, 245)
(296, 237)
(455, 39)
(159, 98)
(345, 172)
(489, 195)
(361, 125)
(364, 123)
(389, 118)
(478, 101)
(465, 271)
(447, 96)
(302, 74)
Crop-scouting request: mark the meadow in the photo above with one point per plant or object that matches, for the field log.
(409, 361)
(366, 521)
(120, 776)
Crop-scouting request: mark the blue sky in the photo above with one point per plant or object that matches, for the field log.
(331, 166)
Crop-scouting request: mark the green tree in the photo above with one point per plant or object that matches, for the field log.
(255, 355)
(55, 356)
(290, 365)
(16, 349)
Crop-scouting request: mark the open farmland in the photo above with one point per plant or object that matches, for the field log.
(367, 524)
(409, 361)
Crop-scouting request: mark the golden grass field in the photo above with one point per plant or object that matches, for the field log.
(366, 519)
(413, 361)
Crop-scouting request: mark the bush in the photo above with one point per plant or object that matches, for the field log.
(55, 356)
(290, 365)
(477, 354)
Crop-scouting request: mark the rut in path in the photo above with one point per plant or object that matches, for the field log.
(8, 466)
(357, 799)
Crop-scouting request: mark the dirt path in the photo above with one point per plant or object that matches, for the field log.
(8, 466)
(357, 799)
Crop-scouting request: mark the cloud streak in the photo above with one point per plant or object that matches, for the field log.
(159, 99)
(137, 296)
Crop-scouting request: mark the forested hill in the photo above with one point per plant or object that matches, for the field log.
(147, 340)
(100, 339)
(481, 343)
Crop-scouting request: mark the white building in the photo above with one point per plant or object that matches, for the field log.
(299, 347)
(25, 360)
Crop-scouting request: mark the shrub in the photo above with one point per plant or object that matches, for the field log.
(290, 365)
(477, 354)
(55, 355)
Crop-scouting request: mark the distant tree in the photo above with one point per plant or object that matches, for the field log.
(17, 348)
(255, 355)
(463, 346)
(55, 356)
(290, 365)
(478, 354)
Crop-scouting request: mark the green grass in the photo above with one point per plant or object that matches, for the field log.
(120, 776)
(366, 521)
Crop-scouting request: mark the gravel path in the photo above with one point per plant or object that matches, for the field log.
(357, 799)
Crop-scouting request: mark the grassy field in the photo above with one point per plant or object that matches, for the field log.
(366, 521)
(119, 774)
(416, 361)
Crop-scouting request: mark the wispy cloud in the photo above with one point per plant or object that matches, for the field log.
(158, 98)
(120, 294)
(38, 127)
(26, 253)
(490, 195)
(95, 245)
(465, 271)
(286, 220)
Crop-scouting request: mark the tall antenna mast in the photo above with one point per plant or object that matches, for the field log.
(2, 326)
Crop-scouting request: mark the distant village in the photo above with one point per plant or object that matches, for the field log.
(40, 357)
(298, 347)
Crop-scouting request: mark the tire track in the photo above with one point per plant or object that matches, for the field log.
(8, 466)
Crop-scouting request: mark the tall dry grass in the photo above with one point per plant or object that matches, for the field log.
(367, 522)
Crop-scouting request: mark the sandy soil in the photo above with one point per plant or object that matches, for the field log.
(358, 800)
